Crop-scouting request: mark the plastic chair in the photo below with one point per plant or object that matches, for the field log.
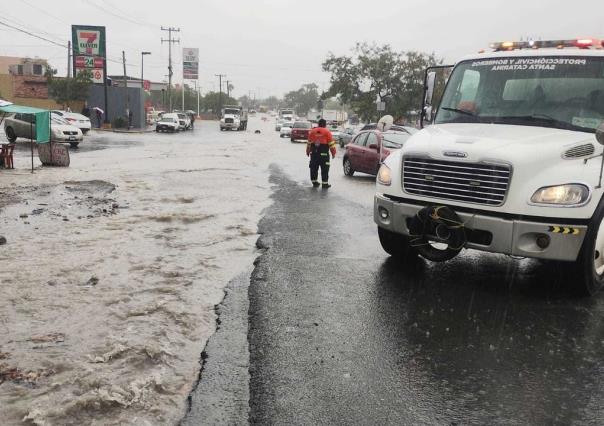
(6, 155)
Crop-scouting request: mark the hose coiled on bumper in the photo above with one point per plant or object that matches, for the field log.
(440, 222)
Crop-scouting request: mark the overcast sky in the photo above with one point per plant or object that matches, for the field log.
(269, 47)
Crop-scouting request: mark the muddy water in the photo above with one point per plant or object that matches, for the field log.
(112, 270)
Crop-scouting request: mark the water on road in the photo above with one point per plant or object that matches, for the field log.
(113, 267)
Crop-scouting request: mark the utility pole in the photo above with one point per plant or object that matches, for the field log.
(144, 118)
(197, 90)
(228, 83)
(170, 40)
(126, 89)
(220, 91)
(69, 59)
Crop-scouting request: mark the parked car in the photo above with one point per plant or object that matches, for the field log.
(286, 129)
(346, 136)
(363, 153)
(278, 124)
(78, 120)
(300, 130)
(373, 126)
(24, 126)
(184, 120)
(168, 122)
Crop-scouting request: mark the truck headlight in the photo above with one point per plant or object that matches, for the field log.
(384, 176)
(564, 195)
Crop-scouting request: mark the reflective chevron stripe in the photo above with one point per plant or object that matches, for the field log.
(564, 230)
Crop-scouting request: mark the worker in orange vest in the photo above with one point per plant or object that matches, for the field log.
(320, 144)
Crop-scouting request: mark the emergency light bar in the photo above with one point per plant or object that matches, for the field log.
(582, 43)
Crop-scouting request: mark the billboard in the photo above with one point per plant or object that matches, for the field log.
(89, 51)
(190, 63)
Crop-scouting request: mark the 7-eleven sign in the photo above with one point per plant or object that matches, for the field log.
(89, 41)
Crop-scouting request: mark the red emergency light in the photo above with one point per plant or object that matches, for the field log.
(581, 43)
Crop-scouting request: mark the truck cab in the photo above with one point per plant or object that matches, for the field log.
(233, 117)
(509, 161)
(287, 114)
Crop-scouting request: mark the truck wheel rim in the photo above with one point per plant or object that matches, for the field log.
(599, 251)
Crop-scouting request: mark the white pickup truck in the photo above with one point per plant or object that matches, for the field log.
(510, 161)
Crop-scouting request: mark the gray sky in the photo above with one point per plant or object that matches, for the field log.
(272, 46)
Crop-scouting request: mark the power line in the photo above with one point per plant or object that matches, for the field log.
(45, 11)
(32, 34)
(124, 18)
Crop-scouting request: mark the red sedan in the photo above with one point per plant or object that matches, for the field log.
(363, 153)
(300, 131)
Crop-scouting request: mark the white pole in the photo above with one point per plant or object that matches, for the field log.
(197, 90)
(183, 93)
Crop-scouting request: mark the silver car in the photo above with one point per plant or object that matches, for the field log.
(24, 126)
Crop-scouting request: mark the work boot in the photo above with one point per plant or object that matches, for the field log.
(316, 184)
(325, 185)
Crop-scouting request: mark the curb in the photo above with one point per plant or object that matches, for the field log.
(123, 131)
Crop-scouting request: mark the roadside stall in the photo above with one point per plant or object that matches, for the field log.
(39, 131)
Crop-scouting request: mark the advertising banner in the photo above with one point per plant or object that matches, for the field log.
(190, 63)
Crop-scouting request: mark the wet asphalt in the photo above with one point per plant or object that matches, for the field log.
(329, 330)
(339, 333)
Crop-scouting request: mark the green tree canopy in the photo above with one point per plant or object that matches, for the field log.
(378, 73)
(303, 99)
(65, 90)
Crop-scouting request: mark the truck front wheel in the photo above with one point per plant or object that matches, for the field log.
(589, 267)
(396, 245)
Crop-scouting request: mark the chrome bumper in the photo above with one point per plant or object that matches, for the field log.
(513, 237)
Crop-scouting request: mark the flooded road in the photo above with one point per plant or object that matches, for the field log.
(113, 267)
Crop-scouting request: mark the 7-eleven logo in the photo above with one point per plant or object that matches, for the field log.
(88, 42)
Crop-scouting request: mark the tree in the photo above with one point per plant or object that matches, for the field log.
(272, 102)
(303, 99)
(378, 73)
(65, 90)
(211, 102)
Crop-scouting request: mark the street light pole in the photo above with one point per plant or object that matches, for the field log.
(144, 118)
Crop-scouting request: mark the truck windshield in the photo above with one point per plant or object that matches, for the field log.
(231, 111)
(546, 91)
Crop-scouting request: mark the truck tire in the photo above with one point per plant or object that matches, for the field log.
(10, 134)
(396, 245)
(588, 272)
(348, 170)
(74, 144)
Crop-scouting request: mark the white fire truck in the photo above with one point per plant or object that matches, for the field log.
(509, 160)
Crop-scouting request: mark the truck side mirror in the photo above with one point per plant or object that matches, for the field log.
(600, 134)
(430, 82)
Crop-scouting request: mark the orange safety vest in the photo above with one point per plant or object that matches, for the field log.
(320, 136)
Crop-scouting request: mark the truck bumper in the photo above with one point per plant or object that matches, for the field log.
(230, 126)
(493, 234)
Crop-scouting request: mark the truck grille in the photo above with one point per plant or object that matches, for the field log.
(478, 183)
(228, 120)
